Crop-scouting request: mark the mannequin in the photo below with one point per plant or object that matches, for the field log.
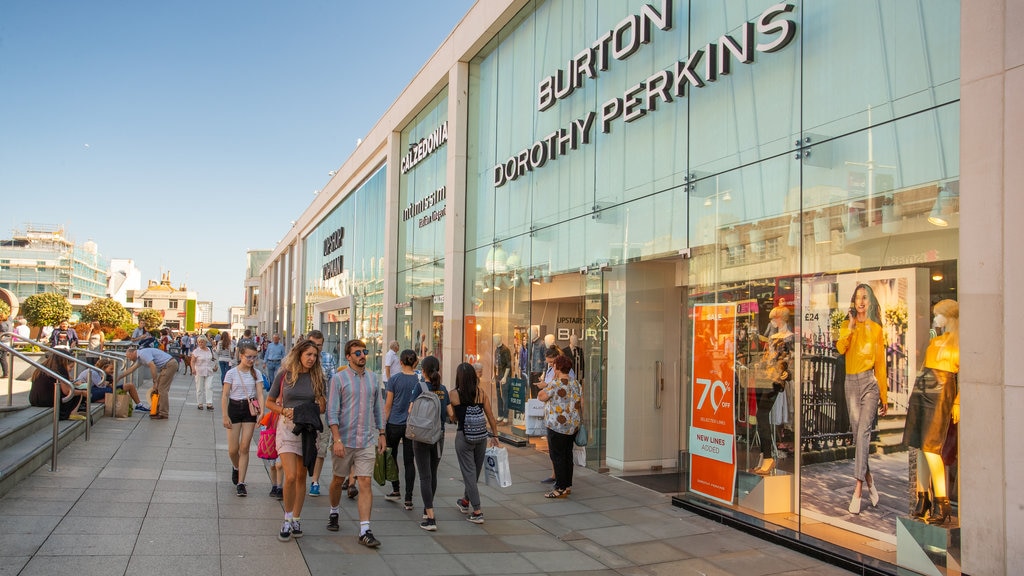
(575, 353)
(502, 370)
(549, 341)
(934, 403)
(776, 373)
(537, 364)
(863, 343)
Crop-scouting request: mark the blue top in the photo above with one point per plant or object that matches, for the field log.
(405, 387)
(355, 407)
(274, 352)
(329, 364)
(154, 355)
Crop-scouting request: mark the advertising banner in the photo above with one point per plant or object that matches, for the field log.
(712, 419)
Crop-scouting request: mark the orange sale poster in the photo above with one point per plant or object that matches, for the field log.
(712, 420)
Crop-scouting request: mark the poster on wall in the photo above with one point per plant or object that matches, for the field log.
(712, 419)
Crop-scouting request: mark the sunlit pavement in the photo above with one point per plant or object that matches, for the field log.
(154, 497)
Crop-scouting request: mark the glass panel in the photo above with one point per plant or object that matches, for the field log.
(883, 213)
(875, 61)
(422, 195)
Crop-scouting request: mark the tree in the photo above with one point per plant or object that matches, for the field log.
(5, 310)
(106, 311)
(150, 319)
(46, 309)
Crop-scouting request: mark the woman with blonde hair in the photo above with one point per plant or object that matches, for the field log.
(863, 343)
(96, 341)
(934, 405)
(295, 395)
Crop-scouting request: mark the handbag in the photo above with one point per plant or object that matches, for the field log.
(254, 406)
(266, 448)
(385, 469)
(213, 359)
(950, 447)
(582, 438)
(579, 455)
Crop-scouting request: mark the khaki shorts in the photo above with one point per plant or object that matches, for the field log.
(358, 460)
(323, 443)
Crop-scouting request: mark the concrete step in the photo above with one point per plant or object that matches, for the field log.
(22, 421)
(23, 457)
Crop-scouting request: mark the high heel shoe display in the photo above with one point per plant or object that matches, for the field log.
(941, 512)
(766, 467)
(923, 506)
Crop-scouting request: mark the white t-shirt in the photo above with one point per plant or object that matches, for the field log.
(242, 384)
(391, 359)
(204, 361)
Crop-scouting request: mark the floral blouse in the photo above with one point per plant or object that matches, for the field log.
(562, 410)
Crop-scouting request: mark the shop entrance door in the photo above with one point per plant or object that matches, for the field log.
(645, 339)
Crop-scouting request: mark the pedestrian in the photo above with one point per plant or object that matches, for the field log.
(242, 384)
(563, 412)
(64, 337)
(203, 363)
(401, 389)
(5, 327)
(470, 396)
(300, 390)
(225, 352)
(96, 341)
(356, 422)
(162, 368)
(22, 330)
(41, 392)
(323, 445)
(392, 365)
(273, 356)
(428, 456)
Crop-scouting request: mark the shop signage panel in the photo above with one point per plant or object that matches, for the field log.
(712, 404)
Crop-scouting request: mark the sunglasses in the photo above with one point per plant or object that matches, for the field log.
(358, 353)
(250, 357)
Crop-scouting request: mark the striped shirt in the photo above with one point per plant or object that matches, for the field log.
(355, 407)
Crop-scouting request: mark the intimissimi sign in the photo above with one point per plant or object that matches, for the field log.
(770, 32)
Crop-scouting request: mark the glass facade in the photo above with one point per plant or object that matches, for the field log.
(653, 179)
(421, 230)
(343, 273)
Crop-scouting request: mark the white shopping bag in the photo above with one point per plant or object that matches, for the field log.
(496, 470)
(535, 426)
(579, 455)
(534, 407)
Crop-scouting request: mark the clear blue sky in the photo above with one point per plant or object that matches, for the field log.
(181, 134)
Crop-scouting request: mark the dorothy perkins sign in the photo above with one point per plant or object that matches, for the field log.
(702, 66)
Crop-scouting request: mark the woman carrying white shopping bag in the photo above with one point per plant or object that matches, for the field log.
(472, 436)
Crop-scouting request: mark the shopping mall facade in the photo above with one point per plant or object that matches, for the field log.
(654, 178)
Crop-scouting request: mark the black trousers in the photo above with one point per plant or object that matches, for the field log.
(765, 401)
(560, 450)
(393, 434)
(428, 456)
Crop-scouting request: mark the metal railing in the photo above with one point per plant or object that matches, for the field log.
(69, 354)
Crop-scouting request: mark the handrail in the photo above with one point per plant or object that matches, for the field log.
(70, 355)
(57, 399)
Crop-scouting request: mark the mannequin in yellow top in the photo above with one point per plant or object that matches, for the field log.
(934, 403)
(863, 343)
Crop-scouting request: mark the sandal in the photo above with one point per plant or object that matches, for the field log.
(556, 493)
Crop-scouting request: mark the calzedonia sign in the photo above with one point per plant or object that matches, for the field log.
(333, 243)
(419, 150)
(702, 66)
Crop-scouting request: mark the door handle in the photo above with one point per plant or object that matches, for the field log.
(659, 384)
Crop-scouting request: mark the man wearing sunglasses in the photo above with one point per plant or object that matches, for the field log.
(356, 417)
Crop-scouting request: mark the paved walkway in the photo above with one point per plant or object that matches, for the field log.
(154, 498)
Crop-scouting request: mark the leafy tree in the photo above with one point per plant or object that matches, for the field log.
(106, 311)
(150, 319)
(5, 310)
(46, 309)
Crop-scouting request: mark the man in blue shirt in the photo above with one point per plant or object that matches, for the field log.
(162, 367)
(273, 357)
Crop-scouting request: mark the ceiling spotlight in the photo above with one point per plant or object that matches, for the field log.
(937, 276)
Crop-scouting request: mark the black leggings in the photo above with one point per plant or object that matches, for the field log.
(765, 402)
(393, 434)
(428, 456)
